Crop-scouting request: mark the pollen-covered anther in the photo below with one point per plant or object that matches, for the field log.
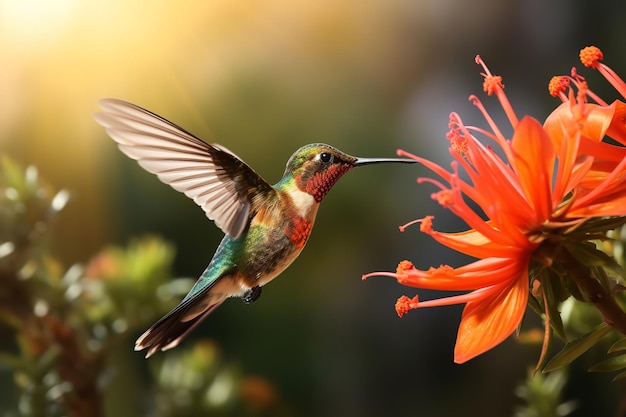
(558, 85)
(444, 197)
(458, 142)
(426, 226)
(446, 270)
(591, 56)
(492, 83)
(405, 304)
(404, 267)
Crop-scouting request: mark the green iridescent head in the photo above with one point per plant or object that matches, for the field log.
(316, 167)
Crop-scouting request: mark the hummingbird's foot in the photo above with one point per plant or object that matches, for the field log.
(252, 294)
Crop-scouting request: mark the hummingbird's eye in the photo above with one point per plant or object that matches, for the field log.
(326, 157)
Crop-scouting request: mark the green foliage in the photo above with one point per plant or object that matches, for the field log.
(542, 396)
(197, 380)
(576, 285)
(65, 325)
(577, 347)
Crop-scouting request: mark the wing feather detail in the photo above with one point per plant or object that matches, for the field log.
(211, 175)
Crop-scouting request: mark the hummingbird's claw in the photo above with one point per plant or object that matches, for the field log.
(252, 294)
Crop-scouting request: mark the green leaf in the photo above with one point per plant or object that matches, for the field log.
(542, 395)
(601, 225)
(549, 281)
(590, 255)
(621, 375)
(614, 363)
(577, 347)
(611, 268)
(534, 304)
(574, 290)
(601, 275)
(618, 346)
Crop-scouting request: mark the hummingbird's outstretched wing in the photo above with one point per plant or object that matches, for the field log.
(215, 178)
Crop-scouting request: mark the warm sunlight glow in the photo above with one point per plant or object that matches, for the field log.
(30, 22)
(207, 65)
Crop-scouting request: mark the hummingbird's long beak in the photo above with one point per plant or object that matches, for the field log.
(367, 161)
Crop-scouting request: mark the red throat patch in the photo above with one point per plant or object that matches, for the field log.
(320, 184)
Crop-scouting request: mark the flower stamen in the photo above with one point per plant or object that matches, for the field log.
(558, 85)
(493, 84)
(591, 57)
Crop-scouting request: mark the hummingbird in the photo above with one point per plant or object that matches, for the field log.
(266, 226)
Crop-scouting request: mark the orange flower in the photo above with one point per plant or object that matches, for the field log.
(600, 193)
(533, 193)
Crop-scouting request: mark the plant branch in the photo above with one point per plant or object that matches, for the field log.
(598, 296)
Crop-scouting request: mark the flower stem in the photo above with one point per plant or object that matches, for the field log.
(602, 299)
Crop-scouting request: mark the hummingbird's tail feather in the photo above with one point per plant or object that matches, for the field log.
(171, 329)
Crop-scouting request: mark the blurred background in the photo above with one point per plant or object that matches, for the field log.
(263, 78)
